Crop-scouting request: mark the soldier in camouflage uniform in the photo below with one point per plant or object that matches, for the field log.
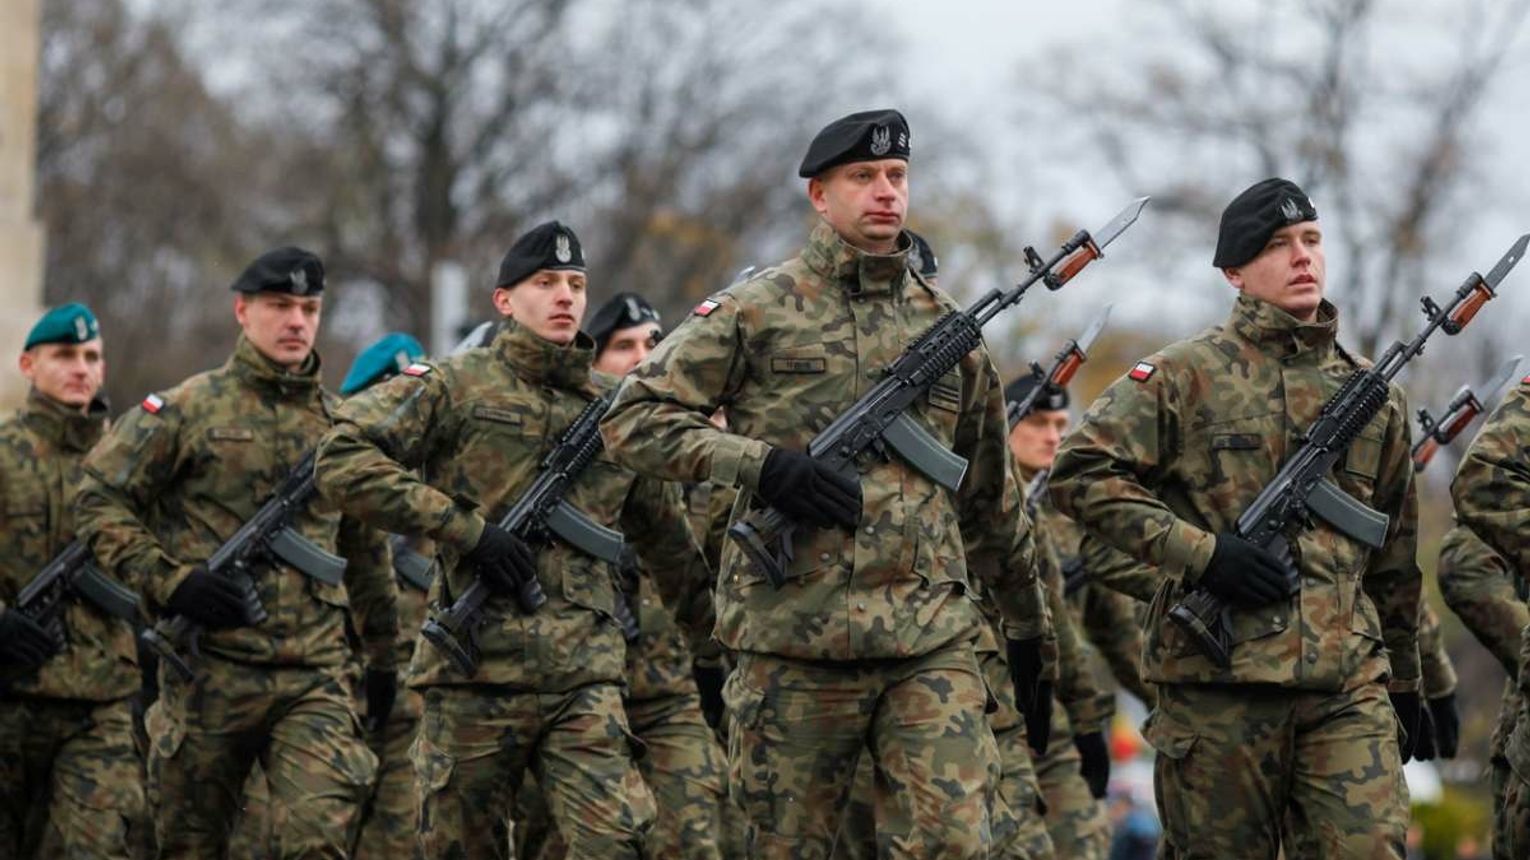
(390, 823)
(1492, 496)
(1293, 745)
(173, 480)
(870, 642)
(69, 773)
(443, 450)
(1439, 722)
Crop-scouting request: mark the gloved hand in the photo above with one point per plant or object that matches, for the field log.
(1406, 705)
(1447, 725)
(505, 563)
(217, 602)
(709, 683)
(808, 491)
(24, 644)
(1244, 574)
(1094, 761)
(1033, 694)
(382, 691)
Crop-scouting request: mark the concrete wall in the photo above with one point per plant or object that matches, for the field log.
(21, 236)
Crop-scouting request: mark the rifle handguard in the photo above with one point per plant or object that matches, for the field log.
(756, 534)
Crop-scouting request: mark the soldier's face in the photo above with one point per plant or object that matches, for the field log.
(550, 303)
(67, 373)
(1036, 438)
(627, 348)
(865, 202)
(280, 325)
(1289, 273)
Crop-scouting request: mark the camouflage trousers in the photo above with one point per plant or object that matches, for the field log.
(299, 723)
(390, 819)
(69, 778)
(1511, 813)
(475, 745)
(799, 730)
(1077, 823)
(1245, 769)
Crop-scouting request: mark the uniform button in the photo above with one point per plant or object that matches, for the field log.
(823, 556)
(1275, 620)
(861, 606)
(871, 530)
(1311, 656)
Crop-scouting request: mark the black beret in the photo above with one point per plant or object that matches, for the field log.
(866, 136)
(1252, 218)
(623, 310)
(922, 259)
(284, 270)
(1052, 398)
(550, 245)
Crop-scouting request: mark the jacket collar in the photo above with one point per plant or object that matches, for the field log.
(854, 270)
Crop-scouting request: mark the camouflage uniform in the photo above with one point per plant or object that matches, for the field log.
(1492, 495)
(852, 651)
(1299, 728)
(69, 772)
(545, 695)
(170, 483)
(1439, 674)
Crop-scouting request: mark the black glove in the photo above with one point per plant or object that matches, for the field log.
(504, 562)
(1094, 761)
(382, 691)
(1243, 574)
(1406, 705)
(1447, 725)
(1423, 747)
(1033, 695)
(808, 491)
(217, 602)
(709, 683)
(24, 644)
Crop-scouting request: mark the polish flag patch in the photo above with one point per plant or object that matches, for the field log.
(1142, 371)
(1525, 381)
(706, 307)
(417, 369)
(153, 403)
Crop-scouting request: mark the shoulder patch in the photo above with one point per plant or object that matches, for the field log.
(706, 307)
(153, 403)
(417, 369)
(1526, 380)
(1142, 372)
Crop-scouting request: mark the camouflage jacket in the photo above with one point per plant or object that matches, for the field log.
(441, 448)
(181, 472)
(659, 662)
(40, 452)
(1438, 672)
(1171, 454)
(788, 350)
(1479, 587)
(412, 600)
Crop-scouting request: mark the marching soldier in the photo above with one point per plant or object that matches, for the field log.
(70, 781)
(1293, 744)
(441, 451)
(875, 615)
(176, 478)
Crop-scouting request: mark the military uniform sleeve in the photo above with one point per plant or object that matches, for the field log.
(1112, 569)
(1110, 622)
(123, 475)
(371, 589)
(654, 518)
(1438, 672)
(1393, 579)
(1491, 489)
(367, 462)
(1105, 467)
(1087, 705)
(1479, 587)
(658, 424)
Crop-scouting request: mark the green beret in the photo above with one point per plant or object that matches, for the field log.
(387, 357)
(71, 323)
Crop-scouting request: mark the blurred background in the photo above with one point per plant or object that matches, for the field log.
(408, 143)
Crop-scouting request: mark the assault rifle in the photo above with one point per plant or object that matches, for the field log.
(266, 536)
(1301, 488)
(72, 573)
(1462, 410)
(1065, 364)
(538, 516)
(879, 421)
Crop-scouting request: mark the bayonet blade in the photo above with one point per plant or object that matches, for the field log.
(1508, 262)
(1501, 378)
(1086, 339)
(1125, 218)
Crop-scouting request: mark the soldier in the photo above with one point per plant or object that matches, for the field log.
(1293, 744)
(869, 644)
(69, 772)
(441, 451)
(1492, 495)
(176, 478)
(389, 825)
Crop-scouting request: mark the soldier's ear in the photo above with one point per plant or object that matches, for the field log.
(27, 362)
(1234, 276)
(818, 195)
(502, 302)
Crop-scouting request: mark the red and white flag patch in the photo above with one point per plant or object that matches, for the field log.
(417, 369)
(153, 403)
(1525, 381)
(1142, 372)
(707, 307)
